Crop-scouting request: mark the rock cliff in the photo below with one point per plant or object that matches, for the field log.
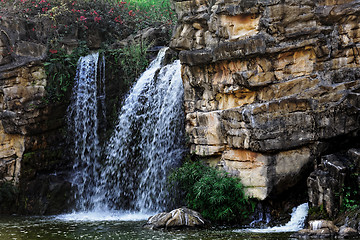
(270, 85)
(32, 139)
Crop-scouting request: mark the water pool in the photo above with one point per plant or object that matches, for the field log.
(56, 228)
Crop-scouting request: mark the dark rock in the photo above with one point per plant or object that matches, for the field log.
(326, 183)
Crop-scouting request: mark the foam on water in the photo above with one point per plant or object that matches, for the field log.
(296, 223)
(96, 216)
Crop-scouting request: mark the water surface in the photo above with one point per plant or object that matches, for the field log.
(56, 228)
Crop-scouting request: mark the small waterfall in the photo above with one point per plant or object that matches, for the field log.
(296, 223)
(147, 141)
(261, 216)
(316, 224)
(82, 118)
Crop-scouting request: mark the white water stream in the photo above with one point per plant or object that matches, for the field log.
(296, 223)
(147, 142)
(130, 180)
(83, 126)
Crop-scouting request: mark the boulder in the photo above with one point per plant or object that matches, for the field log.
(178, 218)
(318, 229)
(322, 224)
(347, 232)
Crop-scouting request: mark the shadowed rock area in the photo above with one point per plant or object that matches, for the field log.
(270, 85)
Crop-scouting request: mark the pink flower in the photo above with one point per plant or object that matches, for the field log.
(118, 19)
(82, 18)
(131, 13)
(53, 51)
(97, 19)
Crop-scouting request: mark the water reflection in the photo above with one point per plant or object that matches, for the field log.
(52, 228)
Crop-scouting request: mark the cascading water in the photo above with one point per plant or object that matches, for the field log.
(146, 144)
(83, 126)
(296, 223)
(147, 141)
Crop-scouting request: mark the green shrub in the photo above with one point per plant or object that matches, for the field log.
(130, 61)
(350, 198)
(214, 193)
(60, 70)
(8, 196)
(113, 18)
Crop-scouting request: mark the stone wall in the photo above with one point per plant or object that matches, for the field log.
(269, 84)
(32, 132)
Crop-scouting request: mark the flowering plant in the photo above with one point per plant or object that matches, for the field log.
(115, 19)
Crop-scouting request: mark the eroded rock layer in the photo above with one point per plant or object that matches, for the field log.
(32, 132)
(268, 83)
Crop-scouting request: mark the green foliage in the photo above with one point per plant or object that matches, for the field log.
(129, 61)
(113, 18)
(157, 11)
(350, 200)
(214, 193)
(350, 192)
(61, 69)
(123, 64)
(318, 213)
(8, 195)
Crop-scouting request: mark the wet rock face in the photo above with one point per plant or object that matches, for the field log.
(327, 182)
(267, 83)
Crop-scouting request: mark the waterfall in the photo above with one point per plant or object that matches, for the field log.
(147, 141)
(83, 121)
(146, 144)
(296, 223)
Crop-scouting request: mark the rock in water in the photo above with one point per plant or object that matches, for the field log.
(178, 218)
(321, 229)
(322, 224)
(347, 232)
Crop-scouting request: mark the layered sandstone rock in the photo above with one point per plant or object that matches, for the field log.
(32, 139)
(268, 83)
(22, 88)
